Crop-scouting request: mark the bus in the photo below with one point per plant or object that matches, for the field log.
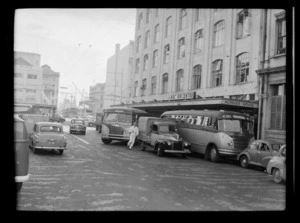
(214, 133)
(116, 121)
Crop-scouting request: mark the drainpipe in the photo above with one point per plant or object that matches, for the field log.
(262, 88)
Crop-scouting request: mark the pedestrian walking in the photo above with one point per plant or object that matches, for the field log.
(133, 132)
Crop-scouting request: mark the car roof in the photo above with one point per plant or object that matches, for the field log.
(267, 141)
(49, 123)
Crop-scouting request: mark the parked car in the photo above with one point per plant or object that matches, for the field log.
(258, 153)
(21, 152)
(161, 135)
(31, 119)
(48, 136)
(57, 118)
(77, 125)
(91, 122)
(277, 166)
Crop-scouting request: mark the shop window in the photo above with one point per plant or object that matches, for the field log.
(243, 24)
(242, 68)
(278, 107)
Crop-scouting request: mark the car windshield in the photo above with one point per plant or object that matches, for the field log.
(56, 129)
(167, 129)
(235, 125)
(81, 122)
(118, 117)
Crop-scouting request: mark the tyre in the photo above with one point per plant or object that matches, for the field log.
(244, 161)
(143, 146)
(83, 133)
(61, 151)
(106, 141)
(213, 154)
(160, 151)
(34, 150)
(277, 176)
(19, 186)
(183, 155)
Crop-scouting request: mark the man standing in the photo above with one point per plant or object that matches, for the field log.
(133, 132)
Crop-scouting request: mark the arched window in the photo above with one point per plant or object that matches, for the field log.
(145, 67)
(137, 65)
(156, 33)
(147, 39)
(243, 24)
(143, 87)
(168, 26)
(182, 19)
(179, 80)
(166, 53)
(140, 20)
(155, 58)
(138, 44)
(136, 87)
(217, 68)
(181, 48)
(165, 83)
(198, 40)
(242, 68)
(153, 85)
(148, 14)
(196, 84)
(219, 33)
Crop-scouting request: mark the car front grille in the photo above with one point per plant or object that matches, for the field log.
(177, 146)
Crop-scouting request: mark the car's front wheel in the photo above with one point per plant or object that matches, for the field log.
(244, 161)
(277, 176)
(61, 151)
(160, 151)
(213, 154)
(19, 186)
(106, 141)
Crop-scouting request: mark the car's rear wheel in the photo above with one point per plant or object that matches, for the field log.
(106, 141)
(244, 161)
(277, 176)
(61, 151)
(19, 186)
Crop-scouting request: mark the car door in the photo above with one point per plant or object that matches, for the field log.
(264, 154)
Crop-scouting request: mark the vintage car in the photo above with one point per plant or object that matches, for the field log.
(161, 135)
(258, 153)
(277, 166)
(78, 126)
(57, 118)
(21, 152)
(31, 119)
(48, 136)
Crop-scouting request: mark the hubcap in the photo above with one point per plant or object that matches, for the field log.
(213, 153)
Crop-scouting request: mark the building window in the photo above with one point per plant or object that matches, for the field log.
(281, 36)
(18, 75)
(153, 85)
(143, 87)
(166, 53)
(181, 48)
(137, 65)
(147, 39)
(243, 24)
(197, 15)
(148, 13)
(145, 67)
(140, 20)
(136, 85)
(138, 44)
(278, 104)
(252, 97)
(156, 12)
(165, 83)
(156, 33)
(199, 41)
(168, 26)
(242, 68)
(217, 73)
(31, 76)
(196, 77)
(155, 58)
(179, 80)
(219, 33)
(182, 19)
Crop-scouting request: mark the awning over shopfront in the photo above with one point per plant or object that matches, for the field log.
(157, 108)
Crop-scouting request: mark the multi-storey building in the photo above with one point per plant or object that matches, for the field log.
(96, 97)
(50, 85)
(272, 77)
(201, 58)
(118, 74)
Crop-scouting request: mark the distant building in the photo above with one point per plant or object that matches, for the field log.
(118, 74)
(96, 97)
(50, 85)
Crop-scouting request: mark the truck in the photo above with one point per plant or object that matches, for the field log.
(161, 136)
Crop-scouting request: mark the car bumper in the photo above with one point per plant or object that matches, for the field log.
(228, 152)
(51, 147)
(177, 151)
(22, 178)
(77, 130)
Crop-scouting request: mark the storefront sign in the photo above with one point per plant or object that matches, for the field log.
(183, 95)
(239, 103)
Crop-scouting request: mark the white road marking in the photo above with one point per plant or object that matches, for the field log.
(81, 139)
(84, 147)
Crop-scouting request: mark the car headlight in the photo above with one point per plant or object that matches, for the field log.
(36, 140)
(169, 143)
(126, 132)
(227, 139)
(186, 144)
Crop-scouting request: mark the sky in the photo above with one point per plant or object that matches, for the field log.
(74, 42)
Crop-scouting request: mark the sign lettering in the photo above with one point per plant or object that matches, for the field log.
(183, 95)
